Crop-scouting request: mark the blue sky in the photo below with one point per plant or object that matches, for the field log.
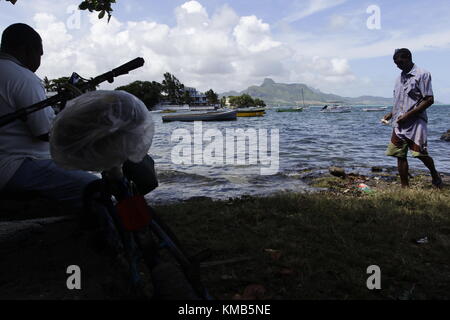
(229, 45)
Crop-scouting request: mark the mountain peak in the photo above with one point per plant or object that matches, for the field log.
(268, 82)
(274, 93)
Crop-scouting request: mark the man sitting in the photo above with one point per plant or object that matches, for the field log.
(25, 161)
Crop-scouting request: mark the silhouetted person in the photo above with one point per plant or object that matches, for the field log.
(25, 161)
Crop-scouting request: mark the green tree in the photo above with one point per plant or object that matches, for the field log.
(245, 101)
(54, 85)
(173, 88)
(101, 6)
(233, 100)
(148, 92)
(259, 103)
(187, 99)
(223, 102)
(212, 97)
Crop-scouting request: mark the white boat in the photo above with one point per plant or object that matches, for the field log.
(336, 109)
(175, 107)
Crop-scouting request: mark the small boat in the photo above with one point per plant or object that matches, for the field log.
(251, 112)
(336, 109)
(297, 109)
(375, 109)
(208, 116)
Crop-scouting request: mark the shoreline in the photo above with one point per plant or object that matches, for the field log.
(290, 246)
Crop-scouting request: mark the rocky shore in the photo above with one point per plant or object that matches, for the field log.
(446, 136)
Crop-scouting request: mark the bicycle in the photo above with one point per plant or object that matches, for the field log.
(136, 230)
(143, 238)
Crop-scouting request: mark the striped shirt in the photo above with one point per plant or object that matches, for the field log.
(410, 89)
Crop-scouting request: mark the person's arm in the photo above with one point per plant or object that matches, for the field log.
(388, 116)
(427, 101)
(27, 92)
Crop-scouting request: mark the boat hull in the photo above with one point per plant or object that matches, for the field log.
(374, 109)
(251, 112)
(209, 116)
(291, 110)
(337, 109)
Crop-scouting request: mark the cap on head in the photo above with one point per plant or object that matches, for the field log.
(20, 35)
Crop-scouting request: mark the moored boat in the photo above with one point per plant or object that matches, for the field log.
(297, 109)
(294, 109)
(336, 109)
(251, 112)
(208, 116)
(375, 109)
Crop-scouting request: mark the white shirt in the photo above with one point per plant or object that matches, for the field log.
(410, 88)
(20, 88)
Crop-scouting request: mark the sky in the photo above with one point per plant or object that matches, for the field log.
(338, 46)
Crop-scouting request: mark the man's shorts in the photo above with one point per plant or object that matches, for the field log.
(400, 144)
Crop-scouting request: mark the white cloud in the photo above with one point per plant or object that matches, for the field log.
(254, 35)
(222, 51)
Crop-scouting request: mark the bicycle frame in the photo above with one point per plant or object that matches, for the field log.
(130, 239)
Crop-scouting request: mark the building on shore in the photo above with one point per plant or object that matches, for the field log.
(199, 102)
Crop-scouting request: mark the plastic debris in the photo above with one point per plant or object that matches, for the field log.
(365, 188)
(423, 241)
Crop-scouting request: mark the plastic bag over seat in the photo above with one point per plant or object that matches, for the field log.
(101, 130)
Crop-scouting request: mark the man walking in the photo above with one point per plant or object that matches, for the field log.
(413, 94)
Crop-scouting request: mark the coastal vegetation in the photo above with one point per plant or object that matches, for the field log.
(148, 92)
(170, 90)
(245, 100)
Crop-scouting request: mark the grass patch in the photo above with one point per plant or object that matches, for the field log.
(321, 244)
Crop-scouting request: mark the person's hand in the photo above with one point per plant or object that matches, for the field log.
(388, 117)
(403, 118)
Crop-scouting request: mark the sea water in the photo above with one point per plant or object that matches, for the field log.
(309, 143)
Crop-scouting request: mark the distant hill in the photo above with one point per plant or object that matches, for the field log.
(290, 94)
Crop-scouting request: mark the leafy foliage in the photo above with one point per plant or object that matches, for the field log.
(173, 89)
(213, 98)
(259, 103)
(246, 100)
(102, 6)
(148, 92)
(187, 99)
(54, 85)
